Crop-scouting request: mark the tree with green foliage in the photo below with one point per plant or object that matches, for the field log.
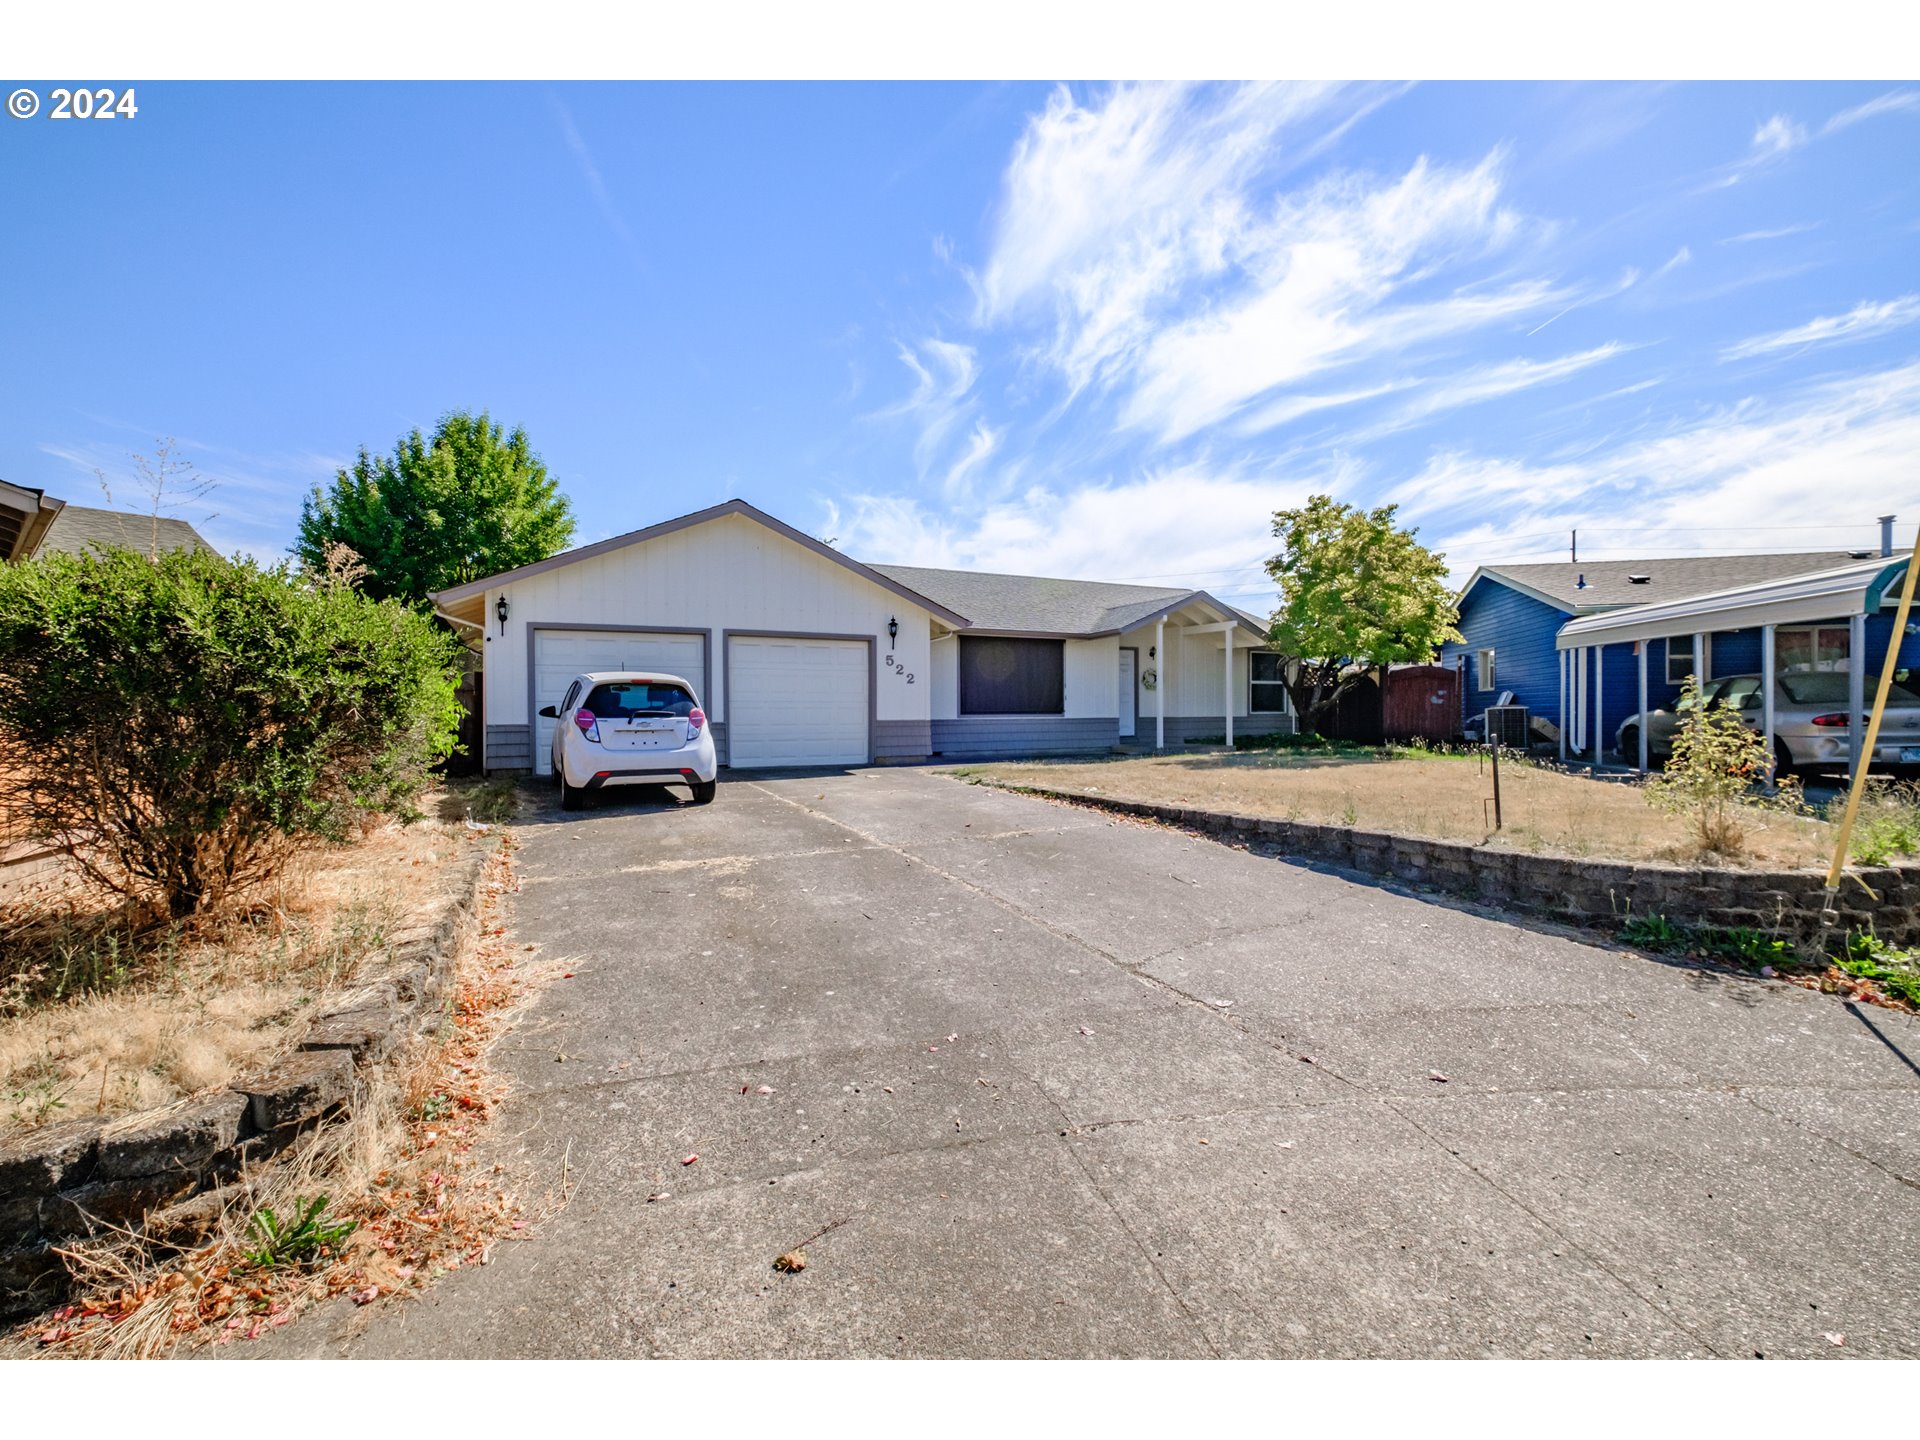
(185, 722)
(470, 500)
(1356, 591)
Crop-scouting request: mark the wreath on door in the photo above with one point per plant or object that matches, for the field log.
(1149, 679)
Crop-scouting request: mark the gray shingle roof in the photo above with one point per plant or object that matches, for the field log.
(76, 529)
(1669, 578)
(1033, 602)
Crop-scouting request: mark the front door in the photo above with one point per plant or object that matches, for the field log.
(1129, 691)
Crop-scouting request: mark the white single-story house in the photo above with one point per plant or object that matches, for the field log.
(803, 656)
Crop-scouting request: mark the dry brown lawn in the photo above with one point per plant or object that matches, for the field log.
(178, 1013)
(1439, 798)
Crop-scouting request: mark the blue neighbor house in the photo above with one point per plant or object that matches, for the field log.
(1514, 619)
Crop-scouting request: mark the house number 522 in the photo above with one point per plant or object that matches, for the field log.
(899, 669)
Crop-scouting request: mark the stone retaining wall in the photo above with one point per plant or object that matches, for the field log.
(1582, 892)
(162, 1169)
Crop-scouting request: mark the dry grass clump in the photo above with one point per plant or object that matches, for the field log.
(1437, 798)
(102, 1016)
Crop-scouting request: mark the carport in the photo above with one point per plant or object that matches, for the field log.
(1846, 596)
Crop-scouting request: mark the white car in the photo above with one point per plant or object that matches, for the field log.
(631, 728)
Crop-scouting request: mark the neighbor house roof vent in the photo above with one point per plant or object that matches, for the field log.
(1581, 583)
(1638, 579)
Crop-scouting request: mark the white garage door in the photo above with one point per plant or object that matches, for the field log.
(559, 655)
(797, 702)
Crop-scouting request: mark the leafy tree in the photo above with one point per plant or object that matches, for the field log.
(471, 500)
(1356, 591)
(185, 722)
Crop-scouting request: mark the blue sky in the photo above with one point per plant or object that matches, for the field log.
(1067, 329)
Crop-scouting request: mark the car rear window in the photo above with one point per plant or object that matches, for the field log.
(1829, 687)
(626, 700)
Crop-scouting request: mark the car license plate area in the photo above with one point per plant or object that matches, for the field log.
(647, 737)
(1910, 754)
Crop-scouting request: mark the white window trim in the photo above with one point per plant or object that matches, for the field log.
(1286, 700)
(1485, 669)
(1814, 631)
(1681, 678)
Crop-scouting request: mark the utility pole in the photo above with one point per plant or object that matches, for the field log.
(1574, 548)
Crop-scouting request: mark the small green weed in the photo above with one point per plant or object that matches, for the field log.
(1653, 932)
(299, 1238)
(435, 1107)
(1895, 971)
(1748, 946)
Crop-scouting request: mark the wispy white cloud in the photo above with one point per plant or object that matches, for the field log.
(1748, 237)
(1837, 452)
(1863, 322)
(942, 395)
(1145, 229)
(1680, 257)
(1776, 137)
(1890, 103)
(1490, 382)
(1188, 525)
(1773, 140)
(596, 185)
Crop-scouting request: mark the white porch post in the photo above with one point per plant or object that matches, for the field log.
(1640, 649)
(1226, 688)
(1599, 703)
(1160, 684)
(1766, 695)
(1702, 661)
(1565, 655)
(1856, 693)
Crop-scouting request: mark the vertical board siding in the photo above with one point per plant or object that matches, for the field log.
(730, 573)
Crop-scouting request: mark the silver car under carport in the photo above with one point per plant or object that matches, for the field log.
(1810, 719)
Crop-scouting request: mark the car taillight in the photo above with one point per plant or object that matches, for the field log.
(695, 720)
(588, 723)
(1838, 718)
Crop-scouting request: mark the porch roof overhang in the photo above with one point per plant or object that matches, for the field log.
(1835, 594)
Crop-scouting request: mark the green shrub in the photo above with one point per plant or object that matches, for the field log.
(184, 722)
(1715, 765)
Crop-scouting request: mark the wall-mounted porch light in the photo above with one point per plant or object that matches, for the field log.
(893, 630)
(500, 609)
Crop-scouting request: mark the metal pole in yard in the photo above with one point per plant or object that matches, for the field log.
(1829, 913)
(1493, 744)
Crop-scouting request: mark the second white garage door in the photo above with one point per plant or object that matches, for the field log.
(796, 702)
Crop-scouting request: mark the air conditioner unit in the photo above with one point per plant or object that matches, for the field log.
(1507, 724)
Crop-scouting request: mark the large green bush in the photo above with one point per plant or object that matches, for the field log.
(185, 722)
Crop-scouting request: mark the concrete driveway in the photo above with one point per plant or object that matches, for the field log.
(1063, 1086)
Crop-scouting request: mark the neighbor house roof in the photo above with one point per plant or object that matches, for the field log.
(24, 516)
(1039, 605)
(1607, 584)
(78, 529)
(1854, 587)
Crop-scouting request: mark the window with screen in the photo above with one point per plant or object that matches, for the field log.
(1266, 683)
(1001, 675)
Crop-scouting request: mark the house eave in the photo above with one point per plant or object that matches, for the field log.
(453, 594)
